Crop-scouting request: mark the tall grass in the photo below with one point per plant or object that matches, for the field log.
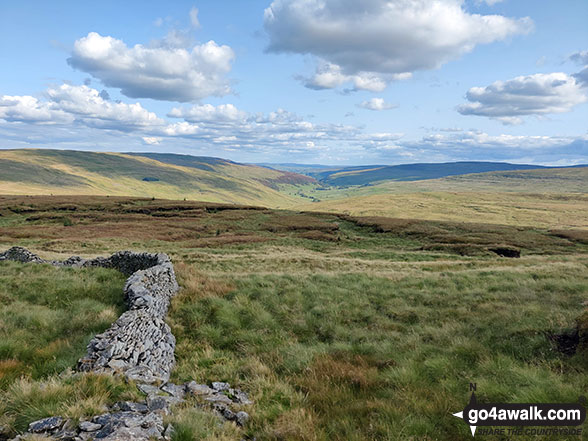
(354, 357)
(340, 328)
(47, 317)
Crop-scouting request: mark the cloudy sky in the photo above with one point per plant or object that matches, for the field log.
(306, 81)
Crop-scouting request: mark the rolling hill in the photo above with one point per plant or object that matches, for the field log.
(66, 172)
(547, 197)
(367, 175)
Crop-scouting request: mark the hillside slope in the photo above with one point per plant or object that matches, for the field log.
(39, 171)
(554, 198)
(410, 172)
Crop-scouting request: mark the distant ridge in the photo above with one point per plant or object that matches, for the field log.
(367, 175)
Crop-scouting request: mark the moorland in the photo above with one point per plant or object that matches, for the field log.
(339, 326)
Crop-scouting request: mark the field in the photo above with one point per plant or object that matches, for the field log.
(546, 198)
(340, 327)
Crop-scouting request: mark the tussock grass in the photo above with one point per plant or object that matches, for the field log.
(354, 357)
(373, 336)
(47, 317)
(71, 396)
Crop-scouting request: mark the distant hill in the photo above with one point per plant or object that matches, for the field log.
(43, 171)
(366, 175)
(546, 197)
(305, 169)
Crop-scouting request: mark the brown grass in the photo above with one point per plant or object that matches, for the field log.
(299, 222)
(196, 285)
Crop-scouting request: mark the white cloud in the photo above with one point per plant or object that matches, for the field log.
(86, 104)
(194, 18)
(377, 104)
(537, 94)
(380, 38)
(581, 58)
(29, 109)
(72, 116)
(77, 105)
(329, 76)
(151, 140)
(209, 113)
(164, 72)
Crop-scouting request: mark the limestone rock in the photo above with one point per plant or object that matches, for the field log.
(88, 426)
(46, 425)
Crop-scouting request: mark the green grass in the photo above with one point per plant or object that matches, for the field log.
(66, 172)
(47, 317)
(49, 314)
(365, 329)
(348, 349)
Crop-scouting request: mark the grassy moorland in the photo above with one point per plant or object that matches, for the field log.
(341, 328)
(546, 198)
(68, 172)
(47, 317)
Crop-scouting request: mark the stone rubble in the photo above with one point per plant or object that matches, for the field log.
(140, 346)
(129, 420)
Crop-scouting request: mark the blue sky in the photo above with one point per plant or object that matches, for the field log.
(307, 81)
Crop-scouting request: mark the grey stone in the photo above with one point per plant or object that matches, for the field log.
(238, 396)
(142, 374)
(20, 254)
(220, 386)
(219, 398)
(66, 435)
(118, 365)
(242, 418)
(157, 403)
(228, 414)
(149, 389)
(46, 425)
(169, 432)
(131, 406)
(88, 426)
(140, 345)
(198, 389)
(174, 390)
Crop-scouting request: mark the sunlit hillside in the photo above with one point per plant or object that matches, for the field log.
(63, 172)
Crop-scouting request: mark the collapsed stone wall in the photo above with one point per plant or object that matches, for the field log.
(139, 344)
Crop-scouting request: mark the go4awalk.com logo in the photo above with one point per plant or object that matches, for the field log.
(521, 418)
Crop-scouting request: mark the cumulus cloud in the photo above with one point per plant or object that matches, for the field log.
(477, 145)
(387, 37)
(76, 105)
(329, 76)
(537, 94)
(161, 72)
(77, 115)
(29, 109)
(209, 113)
(377, 104)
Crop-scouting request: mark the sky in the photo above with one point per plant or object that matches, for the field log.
(339, 82)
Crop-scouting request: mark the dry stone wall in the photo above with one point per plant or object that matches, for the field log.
(139, 345)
